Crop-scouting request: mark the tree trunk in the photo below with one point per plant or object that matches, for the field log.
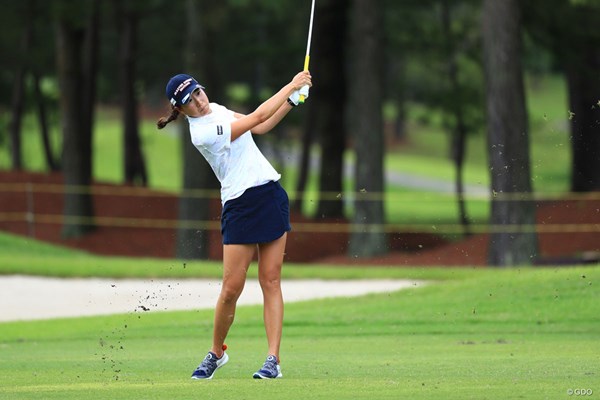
(584, 102)
(194, 208)
(368, 236)
(51, 162)
(513, 240)
(18, 103)
(305, 155)
(569, 29)
(75, 96)
(396, 94)
(89, 67)
(18, 97)
(458, 156)
(133, 158)
(328, 99)
(458, 129)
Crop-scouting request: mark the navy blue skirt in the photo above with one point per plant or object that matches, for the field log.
(260, 215)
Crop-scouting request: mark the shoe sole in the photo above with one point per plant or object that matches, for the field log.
(259, 376)
(223, 361)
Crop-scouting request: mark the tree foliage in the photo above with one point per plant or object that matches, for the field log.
(424, 51)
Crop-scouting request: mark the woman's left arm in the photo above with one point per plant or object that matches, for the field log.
(269, 124)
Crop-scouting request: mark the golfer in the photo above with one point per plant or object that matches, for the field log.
(255, 208)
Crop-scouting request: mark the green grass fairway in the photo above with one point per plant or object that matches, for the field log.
(475, 334)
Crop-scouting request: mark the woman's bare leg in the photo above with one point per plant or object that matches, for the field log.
(270, 261)
(236, 260)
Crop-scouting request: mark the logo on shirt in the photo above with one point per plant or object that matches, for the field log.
(219, 130)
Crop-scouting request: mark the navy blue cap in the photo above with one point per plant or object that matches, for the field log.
(180, 88)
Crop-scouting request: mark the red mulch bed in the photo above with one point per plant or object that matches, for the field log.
(23, 192)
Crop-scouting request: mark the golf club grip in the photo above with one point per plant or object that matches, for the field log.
(306, 62)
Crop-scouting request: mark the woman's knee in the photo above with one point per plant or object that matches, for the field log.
(270, 281)
(231, 291)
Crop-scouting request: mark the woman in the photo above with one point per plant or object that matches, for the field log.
(255, 211)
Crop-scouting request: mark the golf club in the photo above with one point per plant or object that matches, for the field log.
(304, 89)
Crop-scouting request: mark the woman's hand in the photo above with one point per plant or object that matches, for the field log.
(266, 110)
(301, 79)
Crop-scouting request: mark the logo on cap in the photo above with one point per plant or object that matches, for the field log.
(182, 86)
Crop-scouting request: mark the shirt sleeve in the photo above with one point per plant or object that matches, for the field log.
(213, 137)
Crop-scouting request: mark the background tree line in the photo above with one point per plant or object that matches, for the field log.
(465, 58)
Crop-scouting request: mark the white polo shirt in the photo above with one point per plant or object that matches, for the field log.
(238, 165)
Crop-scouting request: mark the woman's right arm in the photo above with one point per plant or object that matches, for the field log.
(269, 107)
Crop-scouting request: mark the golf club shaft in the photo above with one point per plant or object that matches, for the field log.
(307, 57)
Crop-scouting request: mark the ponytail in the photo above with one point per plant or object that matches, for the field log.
(163, 121)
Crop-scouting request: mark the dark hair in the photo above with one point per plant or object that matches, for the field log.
(163, 121)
